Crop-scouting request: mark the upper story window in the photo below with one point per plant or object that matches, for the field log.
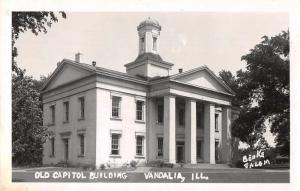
(66, 111)
(155, 43)
(82, 107)
(139, 145)
(115, 144)
(52, 114)
(199, 123)
(140, 110)
(160, 112)
(116, 107)
(217, 122)
(181, 116)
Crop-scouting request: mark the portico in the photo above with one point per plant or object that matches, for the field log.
(190, 122)
(190, 132)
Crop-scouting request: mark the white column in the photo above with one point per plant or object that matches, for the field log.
(151, 136)
(226, 135)
(190, 132)
(209, 133)
(169, 129)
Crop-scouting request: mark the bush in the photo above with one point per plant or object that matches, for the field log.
(88, 166)
(239, 164)
(181, 164)
(161, 164)
(168, 165)
(102, 166)
(133, 163)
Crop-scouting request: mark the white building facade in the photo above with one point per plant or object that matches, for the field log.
(99, 116)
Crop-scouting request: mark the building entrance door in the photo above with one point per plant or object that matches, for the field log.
(179, 152)
(66, 149)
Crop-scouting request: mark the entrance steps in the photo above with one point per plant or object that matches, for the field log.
(204, 166)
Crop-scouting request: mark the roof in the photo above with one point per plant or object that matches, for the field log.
(128, 77)
(93, 69)
(204, 67)
(149, 22)
(149, 56)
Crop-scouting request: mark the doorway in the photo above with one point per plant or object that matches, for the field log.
(179, 151)
(66, 149)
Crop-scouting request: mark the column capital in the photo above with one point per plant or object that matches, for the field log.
(187, 99)
(209, 103)
(226, 106)
(170, 95)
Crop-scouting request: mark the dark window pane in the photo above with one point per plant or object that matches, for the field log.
(159, 146)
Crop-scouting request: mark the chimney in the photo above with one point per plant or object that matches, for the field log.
(180, 70)
(94, 63)
(77, 57)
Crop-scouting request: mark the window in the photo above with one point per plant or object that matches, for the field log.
(154, 43)
(181, 117)
(217, 122)
(199, 149)
(139, 145)
(160, 112)
(199, 122)
(66, 111)
(52, 142)
(52, 113)
(160, 146)
(81, 142)
(82, 112)
(115, 145)
(142, 43)
(139, 110)
(116, 108)
(217, 150)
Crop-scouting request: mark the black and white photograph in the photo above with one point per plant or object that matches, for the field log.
(149, 97)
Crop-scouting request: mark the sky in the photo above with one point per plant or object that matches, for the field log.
(187, 39)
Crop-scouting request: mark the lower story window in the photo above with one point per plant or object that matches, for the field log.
(217, 150)
(81, 139)
(115, 144)
(199, 149)
(52, 141)
(140, 145)
(160, 144)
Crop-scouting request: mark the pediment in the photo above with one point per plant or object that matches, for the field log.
(64, 74)
(203, 78)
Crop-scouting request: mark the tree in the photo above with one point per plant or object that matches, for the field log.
(28, 134)
(263, 92)
(36, 22)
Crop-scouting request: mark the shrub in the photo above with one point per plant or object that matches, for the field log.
(133, 163)
(181, 164)
(168, 165)
(88, 167)
(160, 164)
(102, 166)
(239, 164)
